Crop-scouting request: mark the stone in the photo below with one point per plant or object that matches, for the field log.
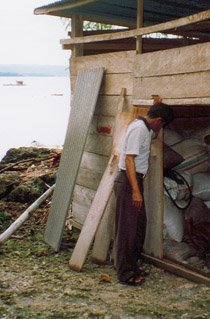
(28, 191)
(8, 181)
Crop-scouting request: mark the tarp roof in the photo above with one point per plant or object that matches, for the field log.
(124, 12)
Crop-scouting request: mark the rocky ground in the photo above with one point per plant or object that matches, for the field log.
(36, 282)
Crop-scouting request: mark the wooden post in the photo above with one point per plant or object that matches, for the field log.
(153, 195)
(77, 31)
(140, 17)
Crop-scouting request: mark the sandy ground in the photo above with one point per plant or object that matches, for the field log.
(36, 282)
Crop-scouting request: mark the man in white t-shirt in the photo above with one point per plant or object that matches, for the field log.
(130, 223)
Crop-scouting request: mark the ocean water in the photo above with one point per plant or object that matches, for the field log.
(36, 111)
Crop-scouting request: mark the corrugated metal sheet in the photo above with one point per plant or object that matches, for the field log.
(123, 12)
(82, 107)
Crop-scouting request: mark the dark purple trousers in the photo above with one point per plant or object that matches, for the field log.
(130, 228)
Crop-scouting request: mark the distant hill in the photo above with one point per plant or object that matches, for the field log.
(33, 70)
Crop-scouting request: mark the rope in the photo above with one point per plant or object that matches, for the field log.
(188, 186)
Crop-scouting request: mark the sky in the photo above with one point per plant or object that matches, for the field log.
(31, 39)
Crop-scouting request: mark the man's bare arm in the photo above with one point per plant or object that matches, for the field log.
(131, 173)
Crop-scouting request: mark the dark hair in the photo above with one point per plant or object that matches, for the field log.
(161, 110)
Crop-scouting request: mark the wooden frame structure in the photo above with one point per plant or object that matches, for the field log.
(179, 75)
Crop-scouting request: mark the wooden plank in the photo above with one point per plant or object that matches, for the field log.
(89, 179)
(82, 109)
(104, 233)
(182, 102)
(80, 213)
(190, 85)
(118, 62)
(204, 15)
(83, 195)
(94, 162)
(107, 105)
(178, 270)
(102, 195)
(153, 194)
(112, 83)
(98, 143)
(188, 59)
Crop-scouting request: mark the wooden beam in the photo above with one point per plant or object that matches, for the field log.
(62, 6)
(142, 31)
(178, 270)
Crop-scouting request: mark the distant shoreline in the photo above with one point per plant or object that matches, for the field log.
(13, 70)
(30, 75)
(10, 74)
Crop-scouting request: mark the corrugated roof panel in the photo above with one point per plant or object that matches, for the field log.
(123, 12)
(104, 10)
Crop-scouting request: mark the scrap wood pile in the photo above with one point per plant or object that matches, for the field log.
(26, 174)
(187, 197)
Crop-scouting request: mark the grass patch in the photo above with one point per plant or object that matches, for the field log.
(32, 246)
(5, 219)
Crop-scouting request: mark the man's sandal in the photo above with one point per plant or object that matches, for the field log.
(134, 281)
(141, 272)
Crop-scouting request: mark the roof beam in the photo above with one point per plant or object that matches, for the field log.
(205, 15)
(62, 6)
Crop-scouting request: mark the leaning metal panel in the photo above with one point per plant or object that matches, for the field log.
(82, 108)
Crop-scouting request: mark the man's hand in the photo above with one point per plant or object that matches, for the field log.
(131, 173)
(137, 199)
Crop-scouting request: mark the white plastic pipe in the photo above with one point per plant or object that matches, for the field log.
(22, 218)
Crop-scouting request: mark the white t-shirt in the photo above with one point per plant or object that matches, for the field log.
(137, 142)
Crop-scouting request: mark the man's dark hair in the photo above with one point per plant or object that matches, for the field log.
(161, 110)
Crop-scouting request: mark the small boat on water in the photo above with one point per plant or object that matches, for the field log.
(18, 83)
